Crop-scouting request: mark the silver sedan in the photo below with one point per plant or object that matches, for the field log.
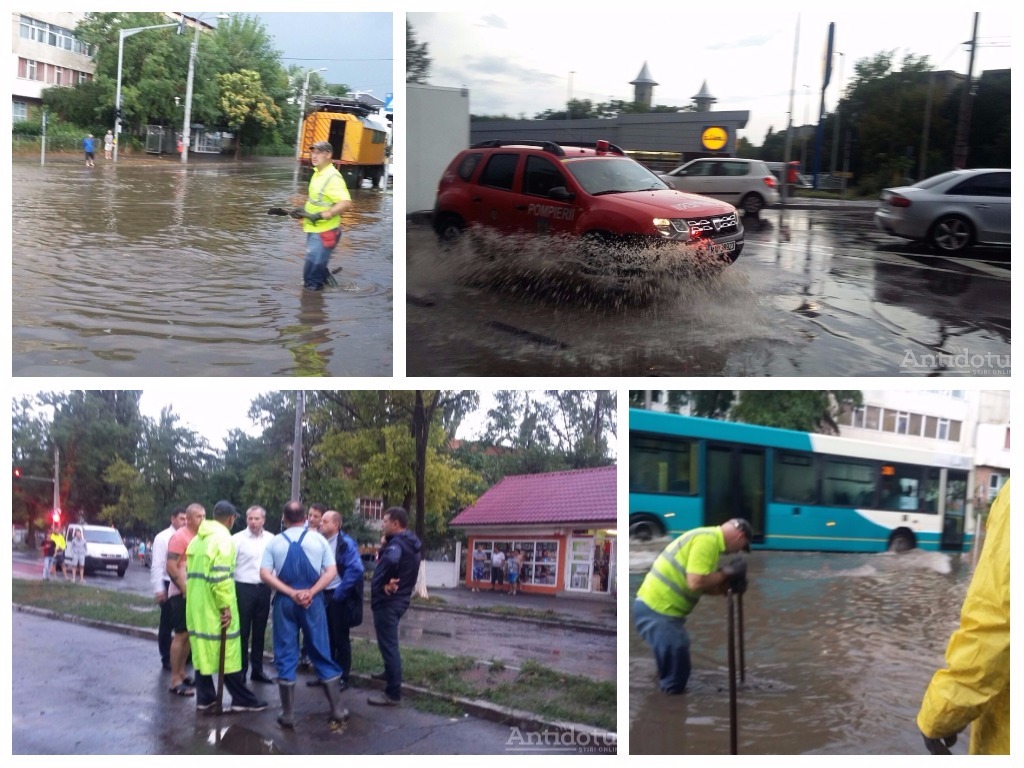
(951, 211)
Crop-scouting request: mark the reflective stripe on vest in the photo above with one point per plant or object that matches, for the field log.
(317, 200)
(660, 591)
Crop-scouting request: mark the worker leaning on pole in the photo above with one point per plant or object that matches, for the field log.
(975, 687)
(686, 569)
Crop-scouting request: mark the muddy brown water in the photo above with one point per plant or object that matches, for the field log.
(839, 649)
(147, 267)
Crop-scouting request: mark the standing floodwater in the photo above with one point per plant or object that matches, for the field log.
(151, 268)
(839, 649)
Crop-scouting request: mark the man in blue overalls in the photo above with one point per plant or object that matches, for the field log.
(299, 565)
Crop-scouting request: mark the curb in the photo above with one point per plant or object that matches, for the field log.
(483, 710)
(495, 713)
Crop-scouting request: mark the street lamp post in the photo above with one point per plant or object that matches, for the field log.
(302, 108)
(120, 60)
(186, 133)
(839, 98)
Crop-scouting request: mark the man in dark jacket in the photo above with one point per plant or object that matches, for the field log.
(394, 578)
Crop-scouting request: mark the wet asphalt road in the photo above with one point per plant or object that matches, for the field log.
(815, 293)
(82, 691)
(483, 637)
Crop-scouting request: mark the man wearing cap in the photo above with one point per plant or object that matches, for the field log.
(328, 198)
(686, 569)
(211, 612)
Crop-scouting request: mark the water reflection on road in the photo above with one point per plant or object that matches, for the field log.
(839, 649)
(150, 268)
(814, 293)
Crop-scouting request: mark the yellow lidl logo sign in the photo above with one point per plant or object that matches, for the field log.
(714, 138)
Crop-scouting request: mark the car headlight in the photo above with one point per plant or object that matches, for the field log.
(672, 228)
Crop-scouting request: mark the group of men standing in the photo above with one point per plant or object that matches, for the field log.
(216, 592)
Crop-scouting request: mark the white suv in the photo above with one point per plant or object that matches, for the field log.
(747, 184)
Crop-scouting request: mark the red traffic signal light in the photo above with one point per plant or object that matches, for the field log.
(55, 517)
(17, 472)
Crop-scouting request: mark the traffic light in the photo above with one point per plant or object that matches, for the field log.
(55, 518)
(17, 473)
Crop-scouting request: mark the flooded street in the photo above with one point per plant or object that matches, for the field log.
(149, 268)
(839, 650)
(815, 292)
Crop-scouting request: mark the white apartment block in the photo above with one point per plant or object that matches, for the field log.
(975, 422)
(45, 53)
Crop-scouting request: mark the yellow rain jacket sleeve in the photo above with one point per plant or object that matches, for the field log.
(976, 686)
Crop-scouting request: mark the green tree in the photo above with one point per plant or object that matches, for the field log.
(176, 462)
(32, 457)
(803, 410)
(131, 508)
(155, 66)
(246, 106)
(417, 57)
(675, 399)
(92, 429)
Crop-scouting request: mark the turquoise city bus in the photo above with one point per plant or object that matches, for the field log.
(799, 491)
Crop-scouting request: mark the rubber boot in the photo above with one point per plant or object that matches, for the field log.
(287, 691)
(338, 713)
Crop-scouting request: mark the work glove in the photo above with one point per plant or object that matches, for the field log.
(939, 746)
(736, 575)
(299, 213)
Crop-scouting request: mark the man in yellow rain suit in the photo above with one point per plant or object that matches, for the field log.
(976, 686)
(212, 606)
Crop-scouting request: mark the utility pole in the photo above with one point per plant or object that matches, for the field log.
(300, 401)
(922, 171)
(789, 127)
(963, 125)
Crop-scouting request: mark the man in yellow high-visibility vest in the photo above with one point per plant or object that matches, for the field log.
(686, 569)
(328, 199)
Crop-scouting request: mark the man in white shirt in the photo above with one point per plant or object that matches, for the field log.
(497, 570)
(158, 581)
(253, 595)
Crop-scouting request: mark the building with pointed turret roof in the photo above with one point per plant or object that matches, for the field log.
(643, 87)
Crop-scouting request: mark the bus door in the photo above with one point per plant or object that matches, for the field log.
(735, 485)
(955, 511)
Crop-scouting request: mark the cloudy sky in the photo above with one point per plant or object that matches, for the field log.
(356, 48)
(520, 63)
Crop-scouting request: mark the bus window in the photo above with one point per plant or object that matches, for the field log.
(659, 465)
(796, 478)
(847, 483)
(899, 487)
(930, 491)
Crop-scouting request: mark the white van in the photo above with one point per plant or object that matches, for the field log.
(105, 551)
